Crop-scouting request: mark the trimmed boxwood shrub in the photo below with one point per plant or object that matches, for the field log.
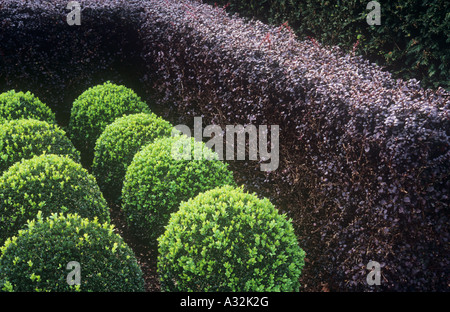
(37, 258)
(20, 105)
(156, 183)
(47, 183)
(25, 138)
(97, 107)
(228, 240)
(117, 145)
(363, 157)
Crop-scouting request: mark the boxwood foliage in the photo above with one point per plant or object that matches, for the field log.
(117, 145)
(20, 105)
(228, 240)
(363, 157)
(96, 108)
(157, 181)
(25, 138)
(47, 183)
(38, 258)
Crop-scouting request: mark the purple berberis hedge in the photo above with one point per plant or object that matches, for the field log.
(364, 159)
(40, 52)
(369, 155)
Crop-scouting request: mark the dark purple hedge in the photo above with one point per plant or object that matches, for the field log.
(39, 51)
(364, 159)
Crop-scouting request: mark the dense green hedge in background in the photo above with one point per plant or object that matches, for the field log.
(412, 41)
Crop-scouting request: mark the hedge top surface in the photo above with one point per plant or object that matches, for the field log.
(20, 105)
(37, 259)
(228, 240)
(97, 107)
(117, 145)
(25, 138)
(157, 180)
(372, 151)
(47, 183)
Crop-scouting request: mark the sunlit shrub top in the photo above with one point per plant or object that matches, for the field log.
(47, 183)
(25, 138)
(20, 105)
(228, 240)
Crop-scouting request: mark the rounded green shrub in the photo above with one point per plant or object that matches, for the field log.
(25, 138)
(117, 145)
(20, 105)
(47, 183)
(228, 240)
(96, 108)
(39, 257)
(156, 182)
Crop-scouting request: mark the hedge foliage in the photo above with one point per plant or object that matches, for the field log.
(412, 40)
(117, 145)
(25, 138)
(37, 258)
(156, 182)
(65, 60)
(362, 155)
(228, 240)
(20, 105)
(96, 108)
(47, 183)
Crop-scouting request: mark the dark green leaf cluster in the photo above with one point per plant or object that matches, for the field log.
(47, 183)
(37, 258)
(117, 145)
(228, 240)
(20, 105)
(97, 107)
(156, 182)
(25, 138)
(412, 40)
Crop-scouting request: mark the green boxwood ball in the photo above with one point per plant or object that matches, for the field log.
(156, 183)
(39, 257)
(47, 183)
(228, 240)
(25, 138)
(117, 145)
(20, 105)
(96, 108)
